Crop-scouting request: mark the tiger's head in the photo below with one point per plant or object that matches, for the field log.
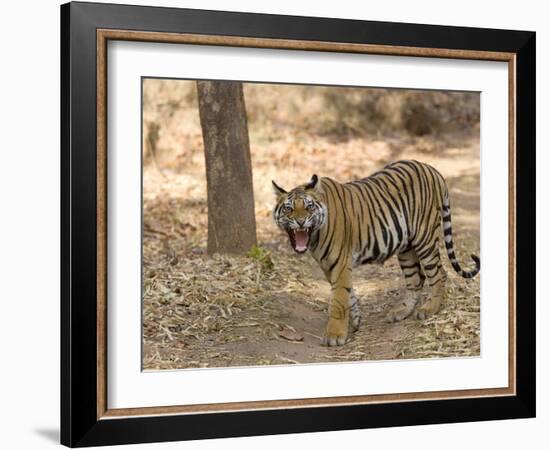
(300, 212)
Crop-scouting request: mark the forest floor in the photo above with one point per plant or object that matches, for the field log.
(202, 311)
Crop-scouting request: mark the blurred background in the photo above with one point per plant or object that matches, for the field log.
(294, 130)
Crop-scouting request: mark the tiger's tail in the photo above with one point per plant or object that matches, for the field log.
(448, 235)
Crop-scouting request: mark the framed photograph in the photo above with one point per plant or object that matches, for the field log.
(277, 224)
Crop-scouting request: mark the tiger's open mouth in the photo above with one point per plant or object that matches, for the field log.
(299, 238)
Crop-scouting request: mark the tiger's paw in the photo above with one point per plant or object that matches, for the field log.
(397, 313)
(428, 309)
(333, 341)
(336, 334)
(402, 310)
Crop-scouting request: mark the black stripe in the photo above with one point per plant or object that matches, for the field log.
(375, 250)
(395, 220)
(327, 248)
(371, 232)
(435, 189)
(344, 267)
(402, 174)
(384, 232)
(390, 246)
(361, 197)
(342, 203)
(426, 239)
(354, 209)
(355, 212)
(348, 216)
(422, 187)
(427, 252)
(389, 179)
(414, 200)
(328, 240)
(347, 223)
(338, 259)
(409, 275)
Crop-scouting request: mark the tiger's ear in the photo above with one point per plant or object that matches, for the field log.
(277, 189)
(313, 183)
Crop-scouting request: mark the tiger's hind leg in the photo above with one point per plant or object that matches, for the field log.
(414, 278)
(437, 277)
(355, 314)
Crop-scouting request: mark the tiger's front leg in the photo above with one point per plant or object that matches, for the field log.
(336, 333)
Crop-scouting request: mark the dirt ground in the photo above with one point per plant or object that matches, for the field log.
(201, 311)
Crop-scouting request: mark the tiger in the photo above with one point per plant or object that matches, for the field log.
(398, 210)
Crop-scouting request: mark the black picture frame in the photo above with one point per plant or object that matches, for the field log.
(80, 425)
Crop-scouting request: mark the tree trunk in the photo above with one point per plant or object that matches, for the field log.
(231, 219)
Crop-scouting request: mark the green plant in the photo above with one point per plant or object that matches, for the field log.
(261, 255)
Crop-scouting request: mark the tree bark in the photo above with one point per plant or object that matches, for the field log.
(231, 218)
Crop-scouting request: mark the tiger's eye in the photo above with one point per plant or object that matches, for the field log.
(287, 209)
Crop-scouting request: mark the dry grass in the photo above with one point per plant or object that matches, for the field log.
(201, 311)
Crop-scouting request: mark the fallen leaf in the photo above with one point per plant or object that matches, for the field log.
(290, 335)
